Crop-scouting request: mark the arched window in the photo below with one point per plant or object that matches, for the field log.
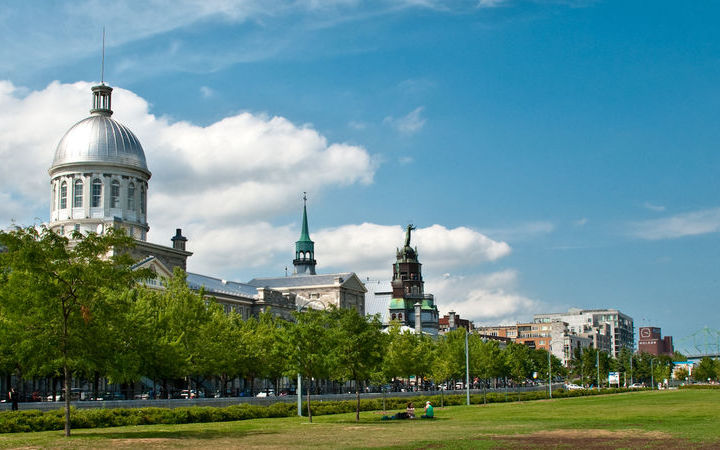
(115, 194)
(393, 316)
(131, 197)
(63, 195)
(400, 316)
(78, 194)
(143, 199)
(96, 193)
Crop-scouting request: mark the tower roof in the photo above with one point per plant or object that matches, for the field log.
(305, 233)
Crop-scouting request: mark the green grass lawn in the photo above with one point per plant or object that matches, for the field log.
(665, 419)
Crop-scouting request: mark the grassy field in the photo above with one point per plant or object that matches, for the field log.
(665, 419)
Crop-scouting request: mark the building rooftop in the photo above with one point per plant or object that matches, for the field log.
(300, 280)
(218, 286)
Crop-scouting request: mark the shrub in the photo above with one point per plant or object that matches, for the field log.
(700, 386)
(34, 420)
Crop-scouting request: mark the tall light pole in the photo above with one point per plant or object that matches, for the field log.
(631, 370)
(467, 368)
(549, 370)
(652, 374)
(597, 363)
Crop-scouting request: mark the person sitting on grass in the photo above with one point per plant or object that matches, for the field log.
(410, 410)
(429, 413)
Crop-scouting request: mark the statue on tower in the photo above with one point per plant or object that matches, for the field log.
(410, 227)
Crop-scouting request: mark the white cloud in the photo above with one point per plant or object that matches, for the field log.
(224, 184)
(523, 231)
(581, 222)
(490, 3)
(206, 92)
(355, 125)
(405, 160)
(652, 207)
(370, 248)
(680, 225)
(411, 123)
(234, 173)
(487, 299)
(62, 32)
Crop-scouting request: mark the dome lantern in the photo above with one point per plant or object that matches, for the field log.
(102, 100)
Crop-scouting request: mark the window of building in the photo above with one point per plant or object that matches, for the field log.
(131, 197)
(115, 194)
(96, 193)
(143, 199)
(63, 195)
(78, 194)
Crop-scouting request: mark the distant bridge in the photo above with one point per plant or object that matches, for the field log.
(702, 343)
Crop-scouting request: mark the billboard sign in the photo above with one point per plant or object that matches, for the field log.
(614, 378)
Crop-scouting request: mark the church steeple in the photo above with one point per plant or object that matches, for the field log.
(304, 261)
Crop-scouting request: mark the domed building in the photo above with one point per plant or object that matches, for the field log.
(99, 176)
(99, 180)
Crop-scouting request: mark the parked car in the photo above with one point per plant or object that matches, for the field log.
(573, 387)
(637, 386)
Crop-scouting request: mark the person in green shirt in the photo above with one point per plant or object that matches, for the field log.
(429, 413)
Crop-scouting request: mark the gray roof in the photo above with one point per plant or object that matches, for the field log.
(218, 286)
(100, 139)
(300, 280)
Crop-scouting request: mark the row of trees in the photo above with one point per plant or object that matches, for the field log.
(78, 310)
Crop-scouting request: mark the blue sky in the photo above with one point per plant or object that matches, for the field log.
(566, 151)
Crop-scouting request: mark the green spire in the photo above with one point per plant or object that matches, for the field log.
(304, 261)
(305, 233)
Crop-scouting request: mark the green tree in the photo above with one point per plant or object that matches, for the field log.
(261, 346)
(622, 363)
(307, 342)
(402, 355)
(159, 349)
(681, 374)
(707, 369)
(358, 346)
(54, 296)
(519, 362)
(450, 355)
(486, 360)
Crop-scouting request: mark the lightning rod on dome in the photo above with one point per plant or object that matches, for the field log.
(102, 65)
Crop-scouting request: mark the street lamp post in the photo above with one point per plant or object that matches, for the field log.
(467, 368)
(597, 363)
(652, 374)
(549, 370)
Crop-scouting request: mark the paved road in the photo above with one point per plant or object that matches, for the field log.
(228, 401)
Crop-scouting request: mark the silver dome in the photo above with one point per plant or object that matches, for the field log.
(100, 139)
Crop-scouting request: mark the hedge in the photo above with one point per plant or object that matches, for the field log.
(35, 420)
(700, 386)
